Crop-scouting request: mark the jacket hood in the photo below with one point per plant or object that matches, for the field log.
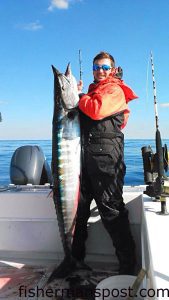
(128, 92)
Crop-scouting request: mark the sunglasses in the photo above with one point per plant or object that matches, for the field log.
(103, 67)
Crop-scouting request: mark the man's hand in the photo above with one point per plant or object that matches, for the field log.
(80, 86)
(119, 73)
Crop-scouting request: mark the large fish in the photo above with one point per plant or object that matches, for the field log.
(65, 155)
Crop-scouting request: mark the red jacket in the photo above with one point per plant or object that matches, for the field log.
(106, 98)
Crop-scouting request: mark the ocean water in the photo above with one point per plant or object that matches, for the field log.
(133, 157)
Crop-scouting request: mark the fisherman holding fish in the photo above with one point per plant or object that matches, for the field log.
(103, 114)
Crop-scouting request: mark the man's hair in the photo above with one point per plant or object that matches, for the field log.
(103, 54)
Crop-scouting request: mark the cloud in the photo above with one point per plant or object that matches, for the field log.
(61, 4)
(164, 104)
(33, 26)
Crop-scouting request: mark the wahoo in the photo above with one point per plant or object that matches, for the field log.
(65, 156)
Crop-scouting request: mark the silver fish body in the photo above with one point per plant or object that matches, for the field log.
(65, 154)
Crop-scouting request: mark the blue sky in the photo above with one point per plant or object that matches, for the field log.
(37, 33)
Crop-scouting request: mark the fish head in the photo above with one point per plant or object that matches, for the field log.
(67, 85)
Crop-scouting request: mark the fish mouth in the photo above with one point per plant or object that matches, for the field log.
(60, 75)
(55, 71)
(66, 87)
(67, 72)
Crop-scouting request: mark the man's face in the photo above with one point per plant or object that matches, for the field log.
(104, 71)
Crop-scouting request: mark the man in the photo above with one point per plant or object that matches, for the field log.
(104, 113)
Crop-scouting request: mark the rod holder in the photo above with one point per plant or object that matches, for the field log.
(163, 211)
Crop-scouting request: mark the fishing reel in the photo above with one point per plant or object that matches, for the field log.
(155, 185)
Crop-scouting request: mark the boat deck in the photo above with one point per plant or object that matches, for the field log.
(27, 281)
(156, 229)
(28, 256)
(13, 276)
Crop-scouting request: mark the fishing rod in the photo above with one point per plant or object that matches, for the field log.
(159, 148)
(80, 63)
(155, 164)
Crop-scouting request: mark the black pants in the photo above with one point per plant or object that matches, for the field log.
(106, 189)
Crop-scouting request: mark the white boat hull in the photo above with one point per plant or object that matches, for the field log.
(29, 232)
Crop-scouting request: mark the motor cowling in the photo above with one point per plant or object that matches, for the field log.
(29, 166)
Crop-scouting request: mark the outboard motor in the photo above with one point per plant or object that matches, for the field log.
(28, 165)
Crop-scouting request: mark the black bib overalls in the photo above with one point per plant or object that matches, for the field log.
(102, 179)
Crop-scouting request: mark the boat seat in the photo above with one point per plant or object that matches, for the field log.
(29, 166)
